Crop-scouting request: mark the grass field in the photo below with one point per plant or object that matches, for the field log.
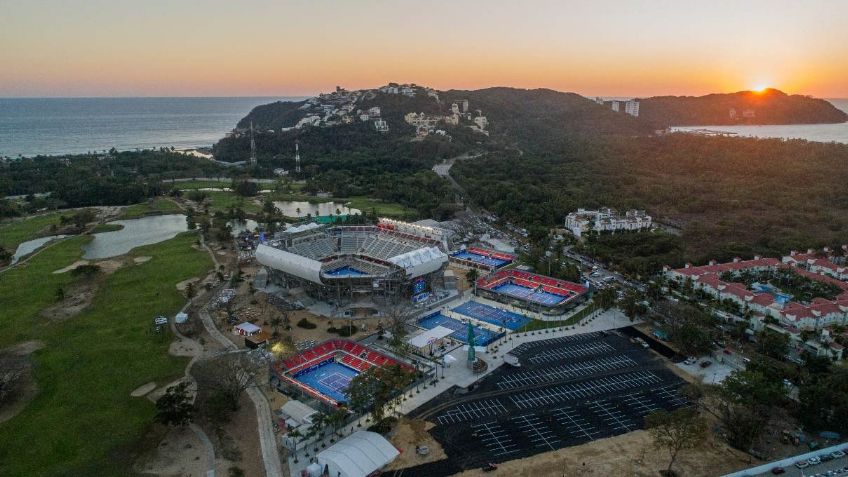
(571, 320)
(189, 185)
(391, 209)
(222, 201)
(13, 232)
(83, 421)
(106, 228)
(155, 206)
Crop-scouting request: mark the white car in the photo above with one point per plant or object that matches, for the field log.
(814, 461)
(691, 360)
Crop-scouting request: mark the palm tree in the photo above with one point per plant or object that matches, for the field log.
(319, 423)
(336, 419)
(296, 436)
(472, 275)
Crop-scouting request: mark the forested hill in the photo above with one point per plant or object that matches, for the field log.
(745, 107)
(535, 117)
(274, 115)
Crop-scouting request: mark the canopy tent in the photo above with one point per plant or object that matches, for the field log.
(247, 329)
(423, 339)
(181, 317)
(358, 455)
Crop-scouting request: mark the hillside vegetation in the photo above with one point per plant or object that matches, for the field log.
(731, 196)
(768, 107)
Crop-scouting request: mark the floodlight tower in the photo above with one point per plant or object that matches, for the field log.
(297, 157)
(252, 160)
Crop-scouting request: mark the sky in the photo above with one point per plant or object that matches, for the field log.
(294, 48)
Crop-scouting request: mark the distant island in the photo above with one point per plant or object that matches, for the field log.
(769, 106)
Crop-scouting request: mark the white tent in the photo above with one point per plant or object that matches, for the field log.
(181, 317)
(358, 455)
(423, 339)
(247, 329)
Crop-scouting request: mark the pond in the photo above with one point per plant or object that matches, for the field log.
(136, 233)
(295, 208)
(30, 246)
(248, 225)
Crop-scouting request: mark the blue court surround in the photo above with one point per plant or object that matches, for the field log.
(529, 294)
(493, 315)
(482, 336)
(345, 271)
(329, 378)
(481, 259)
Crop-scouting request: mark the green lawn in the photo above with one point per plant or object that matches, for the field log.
(189, 185)
(106, 228)
(365, 204)
(571, 320)
(83, 421)
(155, 206)
(222, 201)
(13, 232)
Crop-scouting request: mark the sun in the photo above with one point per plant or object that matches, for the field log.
(760, 88)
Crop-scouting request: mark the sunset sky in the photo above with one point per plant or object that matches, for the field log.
(287, 48)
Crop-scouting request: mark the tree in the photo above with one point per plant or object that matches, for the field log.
(376, 387)
(772, 343)
(190, 222)
(337, 418)
(472, 275)
(675, 431)
(228, 375)
(319, 424)
(399, 316)
(746, 402)
(605, 298)
(174, 408)
(296, 437)
(823, 402)
(189, 290)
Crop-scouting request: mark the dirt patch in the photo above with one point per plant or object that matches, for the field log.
(109, 266)
(181, 453)
(186, 348)
(76, 298)
(71, 266)
(143, 389)
(631, 454)
(142, 259)
(17, 359)
(183, 284)
(410, 433)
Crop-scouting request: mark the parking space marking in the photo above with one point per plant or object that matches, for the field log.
(641, 404)
(565, 392)
(612, 416)
(537, 431)
(552, 342)
(495, 438)
(671, 395)
(471, 411)
(565, 371)
(571, 351)
(574, 423)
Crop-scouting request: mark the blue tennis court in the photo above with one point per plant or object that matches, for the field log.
(490, 314)
(329, 378)
(481, 259)
(346, 271)
(529, 294)
(482, 336)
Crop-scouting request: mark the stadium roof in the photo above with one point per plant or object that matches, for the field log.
(423, 339)
(288, 262)
(358, 455)
(421, 261)
(302, 228)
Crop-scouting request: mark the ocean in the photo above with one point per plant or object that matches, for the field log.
(33, 126)
(810, 132)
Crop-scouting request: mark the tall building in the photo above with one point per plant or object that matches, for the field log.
(632, 108)
(615, 105)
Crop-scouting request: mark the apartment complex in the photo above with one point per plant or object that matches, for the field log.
(606, 220)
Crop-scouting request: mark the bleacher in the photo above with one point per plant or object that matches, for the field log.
(380, 244)
(533, 281)
(349, 353)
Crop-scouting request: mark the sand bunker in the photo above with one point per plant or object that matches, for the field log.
(71, 266)
(141, 259)
(143, 389)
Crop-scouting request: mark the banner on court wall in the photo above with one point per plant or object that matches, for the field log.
(420, 297)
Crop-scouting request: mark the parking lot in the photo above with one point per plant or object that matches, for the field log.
(567, 391)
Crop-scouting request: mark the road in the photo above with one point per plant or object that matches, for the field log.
(601, 273)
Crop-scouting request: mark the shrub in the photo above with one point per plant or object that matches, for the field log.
(306, 324)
